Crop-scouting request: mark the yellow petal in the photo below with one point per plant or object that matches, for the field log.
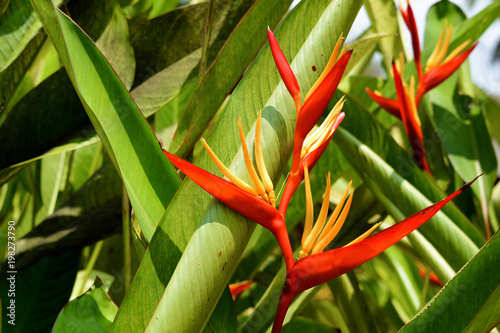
(259, 159)
(251, 170)
(320, 222)
(320, 246)
(309, 207)
(456, 51)
(365, 234)
(229, 175)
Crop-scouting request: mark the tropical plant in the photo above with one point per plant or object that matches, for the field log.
(102, 101)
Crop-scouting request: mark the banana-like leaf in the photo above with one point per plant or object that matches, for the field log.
(132, 146)
(383, 15)
(41, 291)
(92, 312)
(223, 75)
(380, 161)
(19, 24)
(478, 283)
(221, 231)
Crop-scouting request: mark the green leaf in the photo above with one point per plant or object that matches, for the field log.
(217, 227)
(12, 75)
(225, 72)
(478, 284)
(92, 312)
(18, 26)
(381, 163)
(149, 179)
(383, 15)
(437, 14)
(41, 291)
(223, 318)
(466, 139)
(55, 99)
(306, 325)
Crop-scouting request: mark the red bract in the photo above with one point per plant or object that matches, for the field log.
(409, 115)
(284, 69)
(409, 19)
(248, 205)
(389, 104)
(319, 268)
(435, 76)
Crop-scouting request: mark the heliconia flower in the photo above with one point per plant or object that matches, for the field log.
(316, 269)
(312, 148)
(438, 68)
(255, 204)
(238, 288)
(410, 118)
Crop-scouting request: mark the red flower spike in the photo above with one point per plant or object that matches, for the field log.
(437, 75)
(319, 268)
(238, 288)
(284, 69)
(412, 126)
(248, 205)
(409, 19)
(387, 104)
(314, 106)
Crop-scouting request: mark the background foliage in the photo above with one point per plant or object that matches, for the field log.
(89, 88)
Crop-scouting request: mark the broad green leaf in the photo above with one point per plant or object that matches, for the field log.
(349, 307)
(383, 15)
(57, 104)
(380, 161)
(92, 312)
(85, 217)
(220, 228)
(223, 318)
(224, 73)
(306, 325)
(436, 16)
(12, 75)
(41, 291)
(466, 139)
(168, 63)
(363, 47)
(477, 283)
(19, 24)
(149, 179)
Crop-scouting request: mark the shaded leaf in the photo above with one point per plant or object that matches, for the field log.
(92, 312)
(477, 283)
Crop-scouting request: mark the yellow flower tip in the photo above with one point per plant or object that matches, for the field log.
(302, 254)
(331, 62)
(365, 234)
(309, 207)
(259, 156)
(335, 223)
(225, 171)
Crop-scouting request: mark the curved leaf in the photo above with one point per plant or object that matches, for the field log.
(149, 180)
(92, 312)
(477, 283)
